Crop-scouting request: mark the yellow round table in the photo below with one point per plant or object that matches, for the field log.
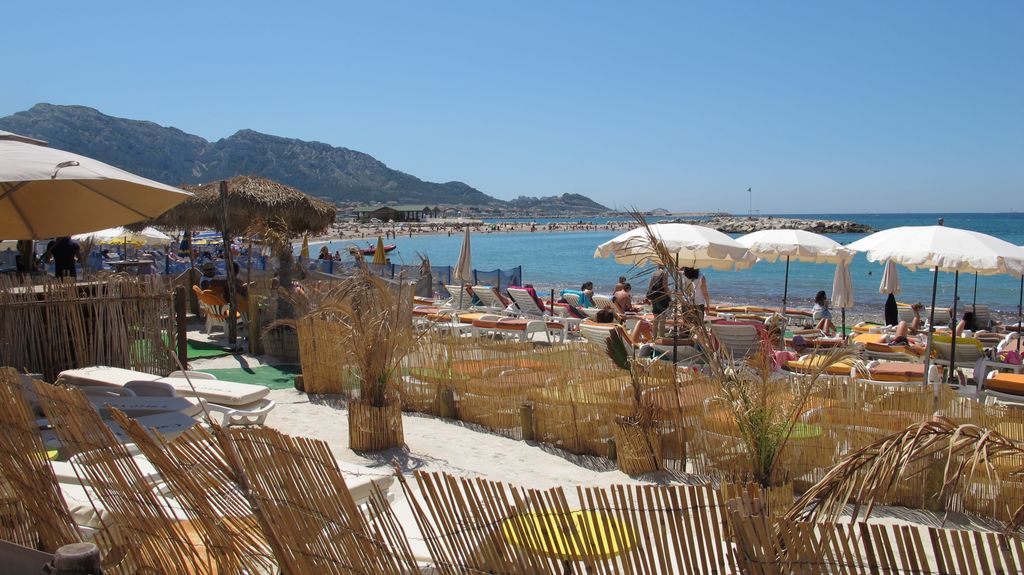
(573, 536)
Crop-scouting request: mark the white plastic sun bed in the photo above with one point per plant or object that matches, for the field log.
(203, 385)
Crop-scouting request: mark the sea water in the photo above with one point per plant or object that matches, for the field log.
(566, 259)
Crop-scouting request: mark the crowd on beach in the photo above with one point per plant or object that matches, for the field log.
(392, 230)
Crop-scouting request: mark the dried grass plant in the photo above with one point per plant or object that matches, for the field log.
(376, 328)
(869, 474)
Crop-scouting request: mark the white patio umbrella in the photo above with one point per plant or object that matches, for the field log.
(119, 235)
(890, 286)
(693, 246)
(464, 268)
(46, 192)
(944, 249)
(842, 288)
(890, 279)
(799, 245)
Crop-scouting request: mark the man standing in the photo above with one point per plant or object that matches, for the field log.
(65, 252)
(658, 295)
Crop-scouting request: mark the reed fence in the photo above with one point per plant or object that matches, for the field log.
(48, 325)
(571, 396)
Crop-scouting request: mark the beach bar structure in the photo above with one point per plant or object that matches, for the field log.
(400, 213)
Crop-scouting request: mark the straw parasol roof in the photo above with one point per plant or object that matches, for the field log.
(250, 198)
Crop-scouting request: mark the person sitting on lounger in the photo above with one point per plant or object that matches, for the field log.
(624, 299)
(642, 331)
(822, 314)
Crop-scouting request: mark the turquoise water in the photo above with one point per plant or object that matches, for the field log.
(557, 260)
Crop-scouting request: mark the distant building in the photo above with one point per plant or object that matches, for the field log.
(399, 213)
(660, 212)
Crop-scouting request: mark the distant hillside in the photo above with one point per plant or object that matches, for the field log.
(566, 203)
(174, 157)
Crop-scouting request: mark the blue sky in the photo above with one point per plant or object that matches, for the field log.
(818, 106)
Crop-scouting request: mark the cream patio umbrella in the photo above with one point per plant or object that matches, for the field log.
(688, 245)
(798, 245)
(46, 192)
(692, 246)
(944, 249)
(464, 268)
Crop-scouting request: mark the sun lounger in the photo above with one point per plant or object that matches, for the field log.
(169, 424)
(739, 339)
(462, 297)
(895, 373)
(1002, 387)
(603, 301)
(203, 385)
(969, 353)
(491, 298)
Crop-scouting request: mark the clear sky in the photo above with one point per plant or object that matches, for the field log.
(819, 106)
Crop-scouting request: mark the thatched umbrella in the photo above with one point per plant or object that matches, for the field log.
(286, 212)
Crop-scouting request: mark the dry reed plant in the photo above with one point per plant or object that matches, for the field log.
(116, 320)
(304, 505)
(957, 454)
(157, 539)
(373, 331)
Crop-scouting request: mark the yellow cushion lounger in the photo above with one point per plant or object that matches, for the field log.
(810, 363)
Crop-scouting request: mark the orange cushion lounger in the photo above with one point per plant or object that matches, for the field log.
(1011, 383)
(898, 371)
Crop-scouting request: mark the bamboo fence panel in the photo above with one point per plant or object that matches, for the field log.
(308, 514)
(776, 546)
(195, 467)
(319, 341)
(156, 536)
(38, 517)
(481, 526)
(49, 325)
(372, 428)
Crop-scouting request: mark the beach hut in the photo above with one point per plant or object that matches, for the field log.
(280, 212)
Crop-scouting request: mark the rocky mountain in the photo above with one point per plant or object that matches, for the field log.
(174, 157)
(564, 204)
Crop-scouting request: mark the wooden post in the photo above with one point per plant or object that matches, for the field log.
(526, 421)
(229, 268)
(181, 324)
(79, 558)
(446, 407)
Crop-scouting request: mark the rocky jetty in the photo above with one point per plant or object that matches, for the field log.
(743, 225)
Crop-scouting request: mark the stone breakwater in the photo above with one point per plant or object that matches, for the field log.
(740, 225)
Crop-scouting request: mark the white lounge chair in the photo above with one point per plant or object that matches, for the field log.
(236, 403)
(969, 353)
(603, 301)
(462, 297)
(490, 297)
(739, 340)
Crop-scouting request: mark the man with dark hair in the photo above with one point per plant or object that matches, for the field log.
(658, 295)
(65, 252)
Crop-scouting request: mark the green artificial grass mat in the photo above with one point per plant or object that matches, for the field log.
(272, 376)
(203, 349)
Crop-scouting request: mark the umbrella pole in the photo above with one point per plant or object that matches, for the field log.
(785, 288)
(1020, 308)
(974, 303)
(952, 345)
(675, 319)
(229, 268)
(844, 323)
(931, 329)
